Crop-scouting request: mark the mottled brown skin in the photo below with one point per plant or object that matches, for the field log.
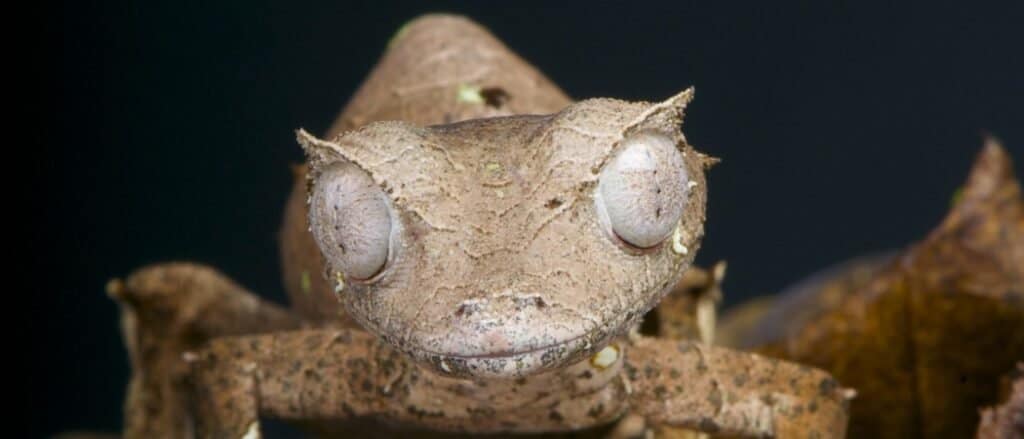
(501, 267)
(719, 391)
(350, 373)
(408, 370)
(418, 81)
(347, 374)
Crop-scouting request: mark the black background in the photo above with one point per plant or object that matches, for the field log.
(844, 128)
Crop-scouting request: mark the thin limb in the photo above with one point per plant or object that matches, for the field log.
(720, 391)
(688, 312)
(170, 309)
(345, 374)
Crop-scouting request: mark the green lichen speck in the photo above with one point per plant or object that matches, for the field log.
(469, 94)
(305, 283)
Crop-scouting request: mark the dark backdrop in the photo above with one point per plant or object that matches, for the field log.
(844, 129)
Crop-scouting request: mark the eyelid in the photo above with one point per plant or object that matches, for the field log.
(375, 277)
(632, 249)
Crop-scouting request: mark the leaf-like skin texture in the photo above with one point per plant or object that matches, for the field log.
(429, 64)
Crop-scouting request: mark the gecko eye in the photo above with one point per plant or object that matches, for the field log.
(642, 191)
(351, 220)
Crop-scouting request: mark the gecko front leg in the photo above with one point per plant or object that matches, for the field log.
(688, 312)
(316, 374)
(721, 391)
(166, 310)
(347, 374)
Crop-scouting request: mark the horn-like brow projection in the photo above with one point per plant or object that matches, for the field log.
(497, 227)
(464, 269)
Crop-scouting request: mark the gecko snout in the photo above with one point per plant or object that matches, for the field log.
(505, 332)
(508, 301)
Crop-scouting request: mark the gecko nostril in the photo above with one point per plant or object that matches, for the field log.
(468, 308)
(527, 301)
(463, 310)
(519, 302)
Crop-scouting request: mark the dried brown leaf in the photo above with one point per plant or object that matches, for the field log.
(925, 339)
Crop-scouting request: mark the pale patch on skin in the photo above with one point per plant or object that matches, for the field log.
(253, 432)
(605, 357)
(677, 242)
(339, 282)
(552, 284)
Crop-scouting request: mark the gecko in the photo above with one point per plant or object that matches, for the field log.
(466, 250)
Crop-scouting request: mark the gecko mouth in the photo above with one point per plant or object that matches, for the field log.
(515, 352)
(515, 362)
(512, 348)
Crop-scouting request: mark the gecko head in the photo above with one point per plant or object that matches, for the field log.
(503, 247)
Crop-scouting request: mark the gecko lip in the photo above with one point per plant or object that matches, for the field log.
(517, 347)
(511, 353)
